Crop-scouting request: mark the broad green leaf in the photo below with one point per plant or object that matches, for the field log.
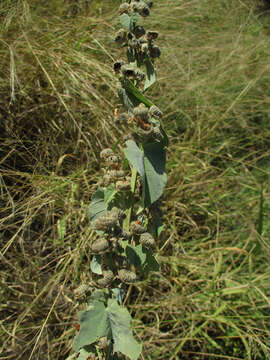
(95, 265)
(154, 165)
(85, 352)
(136, 255)
(133, 19)
(151, 263)
(125, 100)
(97, 205)
(93, 325)
(135, 156)
(119, 294)
(134, 94)
(125, 21)
(98, 295)
(150, 74)
(109, 193)
(120, 319)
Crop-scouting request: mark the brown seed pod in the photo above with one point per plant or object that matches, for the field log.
(136, 228)
(152, 35)
(127, 276)
(138, 31)
(147, 240)
(100, 246)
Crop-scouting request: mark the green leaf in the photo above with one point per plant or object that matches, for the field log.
(95, 265)
(62, 228)
(125, 100)
(97, 205)
(125, 21)
(119, 294)
(151, 263)
(135, 156)
(134, 94)
(150, 74)
(109, 194)
(85, 352)
(136, 255)
(124, 342)
(93, 325)
(154, 165)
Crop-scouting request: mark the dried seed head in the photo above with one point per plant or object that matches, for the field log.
(120, 36)
(122, 185)
(127, 276)
(123, 8)
(147, 240)
(117, 213)
(136, 228)
(155, 112)
(81, 290)
(154, 52)
(139, 31)
(152, 35)
(100, 246)
(104, 223)
(105, 153)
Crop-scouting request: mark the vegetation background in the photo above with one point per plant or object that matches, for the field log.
(211, 300)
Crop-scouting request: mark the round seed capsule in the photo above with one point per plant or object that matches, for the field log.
(127, 276)
(147, 240)
(100, 246)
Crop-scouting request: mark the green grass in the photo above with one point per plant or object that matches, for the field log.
(211, 300)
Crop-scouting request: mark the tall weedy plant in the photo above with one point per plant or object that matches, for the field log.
(125, 212)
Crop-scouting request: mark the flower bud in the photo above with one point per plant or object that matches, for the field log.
(127, 276)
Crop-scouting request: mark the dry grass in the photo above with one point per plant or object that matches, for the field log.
(211, 300)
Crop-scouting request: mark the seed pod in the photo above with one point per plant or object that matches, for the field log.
(105, 153)
(123, 8)
(121, 37)
(112, 159)
(155, 112)
(122, 185)
(117, 213)
(141, 111)
(147, 240)
(136, 228)
(152, 35)
(127, 276)
(104, 223)
(100, 246)
(154, 52)
(108, 277)
(81, 290)
(106, 180)
(138, 31)
(142, 8)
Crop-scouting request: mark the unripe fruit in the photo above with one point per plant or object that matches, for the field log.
(127, 276)
(100, 246)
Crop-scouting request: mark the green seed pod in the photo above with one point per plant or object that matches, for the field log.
(105, 153)
(120, 37)
(155, 112)
(100, 246)
(152, 35)
(81, 290)
(123, 8)
(154, 52)
(127, 276)
(136, 228)
(122, 185)
(147, 240)
(138, 31)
